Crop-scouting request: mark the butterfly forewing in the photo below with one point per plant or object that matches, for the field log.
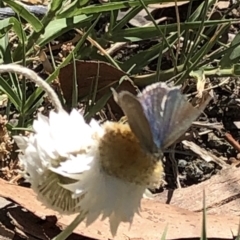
(137, 119)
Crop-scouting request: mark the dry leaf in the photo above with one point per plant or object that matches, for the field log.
(45, 62)
(90, 72)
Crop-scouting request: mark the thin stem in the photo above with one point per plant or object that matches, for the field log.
(70, 228)
(31, 75)
(178, 33)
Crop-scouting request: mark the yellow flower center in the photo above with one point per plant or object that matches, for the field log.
(122, 156)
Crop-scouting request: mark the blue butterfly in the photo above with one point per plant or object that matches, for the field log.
(158, 116)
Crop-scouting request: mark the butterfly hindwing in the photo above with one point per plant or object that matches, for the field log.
(168, 112)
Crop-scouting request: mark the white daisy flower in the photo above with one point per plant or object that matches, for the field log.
(96, 170)
(56, 139)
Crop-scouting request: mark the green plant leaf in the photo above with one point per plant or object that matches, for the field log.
(7, 89)
(58, 27)
(236, 69)
(17, 27)
(24, 13)
(141, 33)
(55, 5)
(5, 26)
(196, 58)
(233, 55)
(5, 51)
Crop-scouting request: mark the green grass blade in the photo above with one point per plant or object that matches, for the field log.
(199, 55)
(5, 51)
(160, 32)
(131, 14)
(18, 29)
(5, 26)
(164, 235)
(75, 4)
(7, 89)
(55, 5)
(58, 27)
(97, 107)
(204, 222)
(75, 85)
(142, 59)
(233, 54)
(142, 33)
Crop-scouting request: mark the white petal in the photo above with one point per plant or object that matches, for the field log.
(107, 196)
(41, 124)
(73, 167)
(21, 142)
(77, 164)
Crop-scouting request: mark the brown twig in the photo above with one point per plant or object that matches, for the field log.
(232, 141)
